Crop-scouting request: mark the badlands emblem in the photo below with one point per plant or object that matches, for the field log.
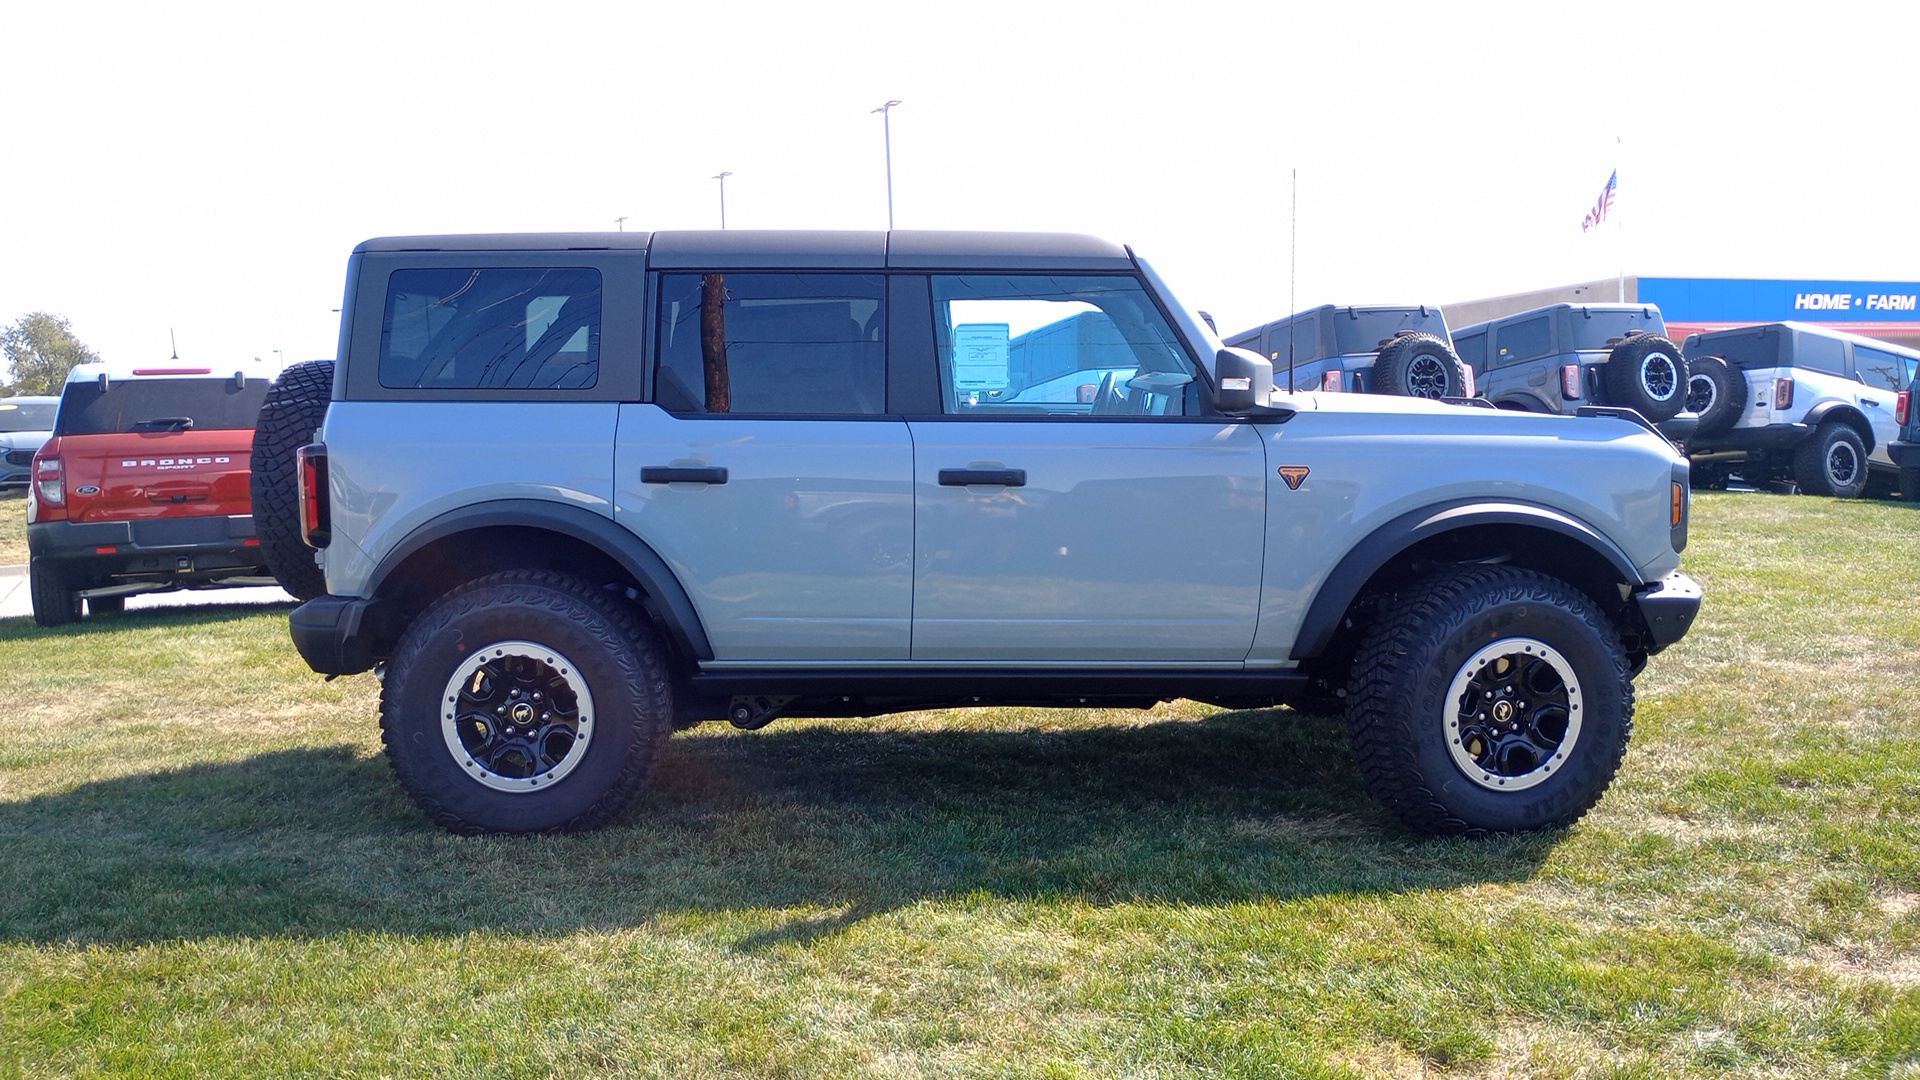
(1293, 475)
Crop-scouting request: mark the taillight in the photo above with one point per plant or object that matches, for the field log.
(1570, 381)
(50, 481)
(1783, 393)
(315, 511)
(1903, 407)
(1330, 381)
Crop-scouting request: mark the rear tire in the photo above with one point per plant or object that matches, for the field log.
(1832, 461)
(1490, 699)
(1648, 374)
(295, 406)
(1717, 392)
(55, 601)
(1910, 483)
(1417, 365)
(526, 701)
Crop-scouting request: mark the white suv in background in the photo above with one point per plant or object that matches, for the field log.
(1791, 401)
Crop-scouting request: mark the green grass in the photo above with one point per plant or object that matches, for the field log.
(206, 870)
(13, 530)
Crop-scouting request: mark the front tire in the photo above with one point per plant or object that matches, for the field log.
(525, 701)
(1833, 461)
(1491, 699)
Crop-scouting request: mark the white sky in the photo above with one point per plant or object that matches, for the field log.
(208, 167)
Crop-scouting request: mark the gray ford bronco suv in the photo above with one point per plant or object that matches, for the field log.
(1382, 350)
(574, 491)
(1563, 357)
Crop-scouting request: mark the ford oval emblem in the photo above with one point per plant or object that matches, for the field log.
(88, 489)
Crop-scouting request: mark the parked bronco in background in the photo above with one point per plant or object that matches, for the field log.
(1801, 403)
(572, 492)
(1560, 357)
(1382, 350)
(143, 486)
(1905, 450)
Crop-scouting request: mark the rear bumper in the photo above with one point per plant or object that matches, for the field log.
(1904, 454)
(331, 635)
(161, 550)
(1667, 607)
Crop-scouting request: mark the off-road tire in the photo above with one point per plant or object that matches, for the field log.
(1648, 374)
(1716, 391)
(1409, 738)
(1831, 461)
(1417, 365)
(1910, 483)
(583, 636)
(295, 406)
(55, 601)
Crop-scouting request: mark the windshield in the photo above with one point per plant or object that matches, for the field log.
(159, 405)
(27, 415)
(1595, 329)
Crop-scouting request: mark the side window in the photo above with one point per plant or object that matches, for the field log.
(1877, 368)
(1820, 353)
(1522, 341)
(1305, 340)
(771, 344)
(462, 329)
(1472, 349)
(1057, 345)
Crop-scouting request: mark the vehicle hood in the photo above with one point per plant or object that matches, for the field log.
(23, 440)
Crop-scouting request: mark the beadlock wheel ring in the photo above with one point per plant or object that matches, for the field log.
(1427, 376)
(517, 716)
(1660, 375)
(1513, 714)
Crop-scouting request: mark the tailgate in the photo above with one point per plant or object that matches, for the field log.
(152, 474)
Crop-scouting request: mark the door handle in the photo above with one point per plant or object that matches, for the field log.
(1869, 402)
(683, 474)
(966, 477)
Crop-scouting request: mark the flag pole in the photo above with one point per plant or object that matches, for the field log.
(1620, 229)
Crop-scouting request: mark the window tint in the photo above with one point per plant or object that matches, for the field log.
(1819, 353)
(1361, 330)
(1594, 329)
(1758, 348)
(470, 329)
(1306, 340)
(772, 344)
(1052, 345)
(1472, 350)
(1522, 341)
(27, 415)
(1876, 367)
(159, 405)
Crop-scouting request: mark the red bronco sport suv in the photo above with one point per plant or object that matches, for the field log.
(143, 486)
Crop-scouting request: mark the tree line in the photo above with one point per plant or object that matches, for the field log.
(41, 348)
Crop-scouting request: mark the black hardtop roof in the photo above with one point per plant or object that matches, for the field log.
(1710, 336)
(900, 249)
(1650, 310)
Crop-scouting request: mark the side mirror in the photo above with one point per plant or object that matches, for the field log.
(1243, 382)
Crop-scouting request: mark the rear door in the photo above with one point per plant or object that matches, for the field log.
(160, 446)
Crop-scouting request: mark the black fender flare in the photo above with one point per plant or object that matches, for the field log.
(633, 555)
(1848, 413)
(1351, 574)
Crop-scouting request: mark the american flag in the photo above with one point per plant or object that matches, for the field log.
(1599, 212)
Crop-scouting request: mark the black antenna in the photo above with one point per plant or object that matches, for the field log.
(174, 343)
(1293, 277)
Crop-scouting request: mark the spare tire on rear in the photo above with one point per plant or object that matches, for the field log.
(1648, 374)
(295, 406)
(1717, 391)
(1418, 365)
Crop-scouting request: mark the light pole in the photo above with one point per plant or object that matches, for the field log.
(886, 127)
(723, 197)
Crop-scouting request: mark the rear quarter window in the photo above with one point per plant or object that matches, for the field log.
(492, 328)
(159, 405)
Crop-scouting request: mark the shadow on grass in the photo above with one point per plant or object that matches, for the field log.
(821, 827)
(22, 626)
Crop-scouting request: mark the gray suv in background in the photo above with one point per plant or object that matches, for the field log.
(1561, 357)
(1380, 349)
(572, 492)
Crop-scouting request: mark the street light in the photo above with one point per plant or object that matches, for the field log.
(723, 197)
(886, 127)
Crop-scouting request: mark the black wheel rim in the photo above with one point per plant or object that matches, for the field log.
(1427, 377)
(1700, 394)
(1659, 375)
(517, 716)
(1843, 464)
(1513, 714)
